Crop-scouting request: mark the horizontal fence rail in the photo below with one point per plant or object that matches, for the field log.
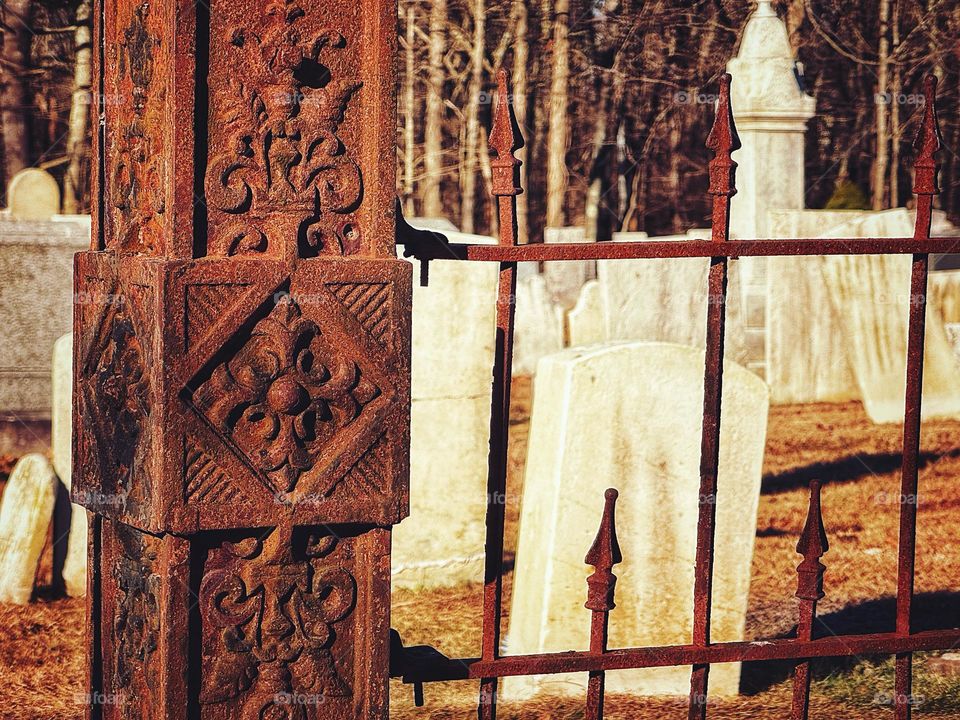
(419, 665)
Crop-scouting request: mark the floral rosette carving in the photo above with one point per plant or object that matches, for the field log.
(284, 395)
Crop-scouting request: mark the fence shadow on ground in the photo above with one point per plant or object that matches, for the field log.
(932, 611)
(845, 469)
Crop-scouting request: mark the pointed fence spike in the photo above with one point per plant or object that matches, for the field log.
(505, 140)
(723, 140)
(927, 142)
(603, 555)
(813, 545)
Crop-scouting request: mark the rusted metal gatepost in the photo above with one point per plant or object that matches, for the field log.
(242, 360)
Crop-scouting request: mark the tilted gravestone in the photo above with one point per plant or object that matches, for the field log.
(629, 415)
(25, 513)
(241, 360)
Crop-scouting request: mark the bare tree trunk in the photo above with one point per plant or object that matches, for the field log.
(409, 109)
(13, 89)
(895, 90)
(881, 165)
(78, 129)
(521, 56)
(557, 134)
(432, 204)
(537, 147)
(468, 175)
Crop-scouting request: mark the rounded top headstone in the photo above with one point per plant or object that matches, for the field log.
(33, 195)
(766, 85)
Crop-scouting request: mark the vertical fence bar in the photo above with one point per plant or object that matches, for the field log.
(603, 555)
(723, 141)
(812, 545)
(925, 187)
(505, 140)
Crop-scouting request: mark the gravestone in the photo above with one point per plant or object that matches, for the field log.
(25, 512)
(454, 327)
(945, 295)
(871, 296)
(587, 322)
(33, 195)
(629, 416)
(61, 434)
(564, 279)
(36, 264)
(808, 355)
(665, 300)
(538, 328)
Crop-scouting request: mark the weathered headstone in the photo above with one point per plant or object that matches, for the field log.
(61, 425)
(564, 279)
(628, 416)
(587, 322)
(871, 297)
(36, 264)
(538, 329)
(33, 195)
(25, 512)
(945, 294)
(453, 338)
(807, 351)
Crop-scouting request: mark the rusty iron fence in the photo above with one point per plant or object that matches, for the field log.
(421, 665)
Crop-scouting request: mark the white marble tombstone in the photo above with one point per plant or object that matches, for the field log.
(629, 416)
(25, 513)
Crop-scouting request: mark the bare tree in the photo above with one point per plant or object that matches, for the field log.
(432, 204)
(557, 133)
(880, 168)
(521, 58)
(78, 129)
(468, 173)
(14, 90)
(409, 109)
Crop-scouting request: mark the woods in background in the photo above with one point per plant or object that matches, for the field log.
(614, 98)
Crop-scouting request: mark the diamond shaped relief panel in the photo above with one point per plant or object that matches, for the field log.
(288, 394)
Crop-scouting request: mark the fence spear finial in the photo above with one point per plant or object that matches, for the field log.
(927, 143)
(603, 555)
(505, 140)
(813, 545)
(724, 141)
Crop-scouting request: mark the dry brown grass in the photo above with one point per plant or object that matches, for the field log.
(41, 645)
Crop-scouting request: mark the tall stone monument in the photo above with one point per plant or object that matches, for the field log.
(771, 111)
(241, 360)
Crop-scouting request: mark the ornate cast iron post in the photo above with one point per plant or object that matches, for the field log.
(242, 360)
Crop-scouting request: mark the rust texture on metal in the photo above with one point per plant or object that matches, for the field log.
(813, 545)
(723, 141)
(603, 555)
(420, 665)
(504, 141)
(926, 187)
(242, 360)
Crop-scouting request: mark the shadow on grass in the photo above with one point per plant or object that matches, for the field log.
(931, 611)
(844, 470)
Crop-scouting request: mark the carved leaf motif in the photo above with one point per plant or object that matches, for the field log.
(281, 134)
(281, 640)
(284, 395)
